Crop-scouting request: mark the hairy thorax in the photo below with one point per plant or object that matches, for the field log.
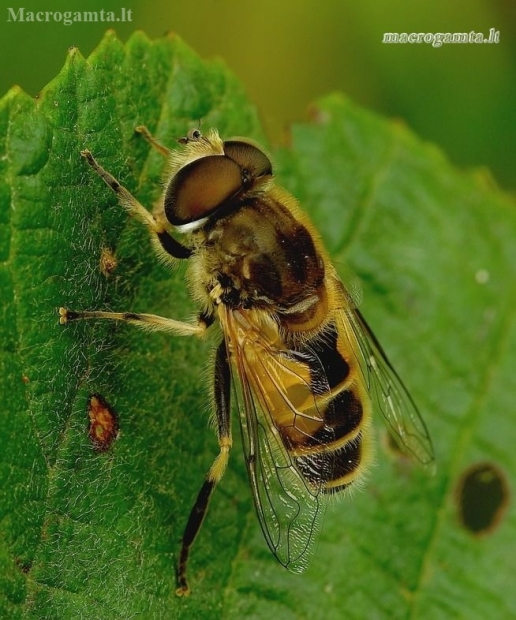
(261, 257)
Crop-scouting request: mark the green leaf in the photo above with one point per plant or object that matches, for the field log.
(90, 534)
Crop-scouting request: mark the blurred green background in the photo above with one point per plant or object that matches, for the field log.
(289, 52)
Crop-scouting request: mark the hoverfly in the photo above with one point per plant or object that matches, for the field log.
(305, 365)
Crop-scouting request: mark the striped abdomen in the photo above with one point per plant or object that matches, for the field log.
(311, 394)
(328, 436)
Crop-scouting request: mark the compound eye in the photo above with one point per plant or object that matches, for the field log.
(200, 187)
(249, 157)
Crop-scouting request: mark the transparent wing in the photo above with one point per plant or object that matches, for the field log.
(289, 508)
(388, 394)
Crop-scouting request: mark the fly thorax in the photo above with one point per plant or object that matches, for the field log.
(265, 257)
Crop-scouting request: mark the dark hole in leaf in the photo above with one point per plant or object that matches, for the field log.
(103, 429)
(482, 497)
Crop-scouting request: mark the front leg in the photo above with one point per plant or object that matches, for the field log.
(163, 242)
(156, 145)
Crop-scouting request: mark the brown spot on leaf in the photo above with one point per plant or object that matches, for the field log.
(103, 428)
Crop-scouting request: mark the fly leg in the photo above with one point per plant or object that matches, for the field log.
(156, 145)
(221, 390)
(164, 244)
(151, 322)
